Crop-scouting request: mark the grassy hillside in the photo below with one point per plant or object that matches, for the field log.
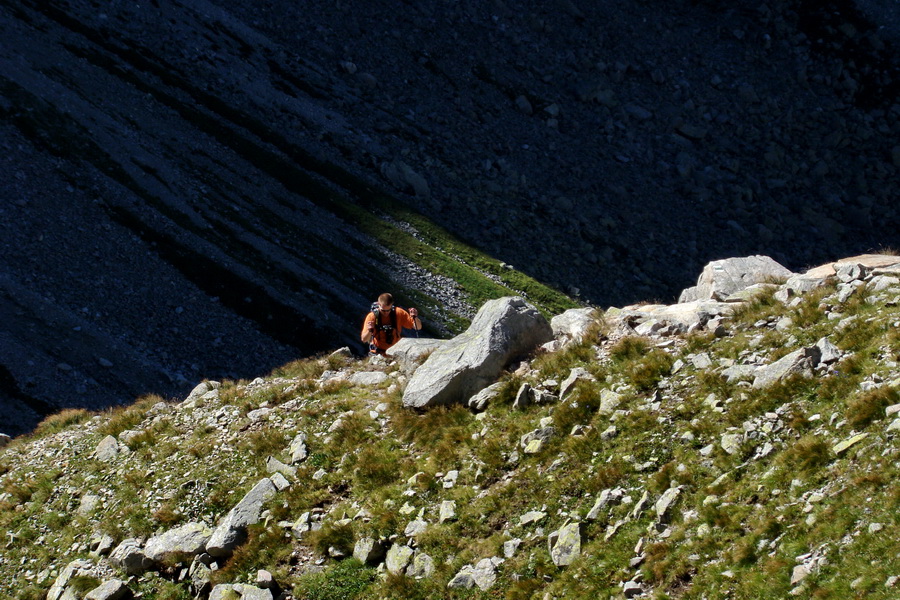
(680, 481)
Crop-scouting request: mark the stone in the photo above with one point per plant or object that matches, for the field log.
(273, 465)
(800, 362)
(398, 558)
(532, 516)
(107, 450)
(102, 545)
(722, 278)
(422, 566)
(114, 589)
(238, 591)
(829, 352)
(511, 546)
(731, 443)
(414, 528)
(88, 504)
(502, 330)
(565, 544)
(447, 511)
(575, 375)
(544, 434)
(485, 574)
(265, 580)
(76, 568)
(572, 325)
(524, 397)
(464, 579)
(666, 501)
(298, 448)
(232, 531)
(368, 378)
(411, 352)
(609, 402)
(632, 589)
(369, 551)
(481, 400)
(130, 557)
(200, 390)
(842, 447)
(178, 544)
(280, 482)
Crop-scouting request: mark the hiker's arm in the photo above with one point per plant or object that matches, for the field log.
(368, 331)
(417, 322)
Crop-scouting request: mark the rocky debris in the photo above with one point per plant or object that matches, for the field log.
(575, 375)
(422, 566)
(179, 544)
(232, 531)
(565, 544)
(298, 448)
(502, 330)
(410, 352)
(368, 378)
(464, 579)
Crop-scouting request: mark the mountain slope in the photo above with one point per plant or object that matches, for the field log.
(676, 465)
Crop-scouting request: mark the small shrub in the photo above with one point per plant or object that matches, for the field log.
(807, 454)
(629, 348)
(83, 584)
(344, 581)
(377, 465)
(61, 420)
(121, 419)
(869, 406)
(331, 535)
(646, 372)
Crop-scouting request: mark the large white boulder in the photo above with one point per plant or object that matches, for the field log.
(722, 278)
(502, 330)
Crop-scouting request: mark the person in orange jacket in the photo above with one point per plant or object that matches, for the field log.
(384, 326)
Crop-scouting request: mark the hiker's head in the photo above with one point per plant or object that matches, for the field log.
(385, 302)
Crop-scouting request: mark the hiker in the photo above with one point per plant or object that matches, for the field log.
(384, 325)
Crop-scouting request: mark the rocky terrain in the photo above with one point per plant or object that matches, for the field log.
(205, 188)
(741, 443)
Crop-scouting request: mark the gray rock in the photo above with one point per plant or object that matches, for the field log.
(369, 551)
(410, 352)
(481, 400)
(130, 557)
(114, 589)
(572, 325)
(800, 361)
(722, 278)
(77, 568)
(102, 545)
(565, 544)
(447, 511)
(511, 546)
(200, 575)
(89, 503)
(368, 378)
(422, 566)
(298, 449)
(848, 272)
(414, 528)
(609, 402)
(524, 397)
(731, 442)
(232, 531)
(107, 450)
(543, 434)
(829, 352)
(464, 579)
(738, 372)
(502, 330)
(178, 544)
(666, 501)
(632, 589)
(238, 591)
(485, 574)
(273, 465)
(398, 558)
(575, 375)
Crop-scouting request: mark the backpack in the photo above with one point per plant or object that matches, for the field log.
(388, 329)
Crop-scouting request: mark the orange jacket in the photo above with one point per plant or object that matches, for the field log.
(403, 321)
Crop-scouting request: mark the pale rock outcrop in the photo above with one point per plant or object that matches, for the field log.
(481, 400)
(178, 544)
(108, 449)
(368, 378)
(722, 278)
(464, 579)
(398, 558)
(298, 449)
(573, 324)
(369, 551)
(485, 574)
(575, 375)
(422, 566)
(232, 531)
(502, 330)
